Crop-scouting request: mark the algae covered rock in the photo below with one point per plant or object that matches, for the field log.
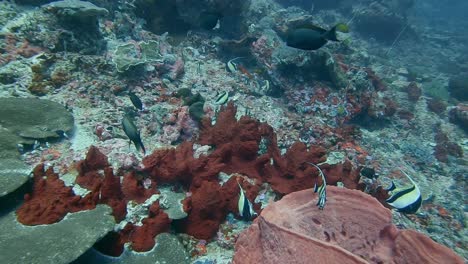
(23, 120)
(130, 55)
(62, 242)
(75, 9)
(13, 174)
(168, 249)
(171, 203)
(34, 118)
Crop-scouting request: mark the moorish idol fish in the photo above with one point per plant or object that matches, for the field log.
(222, 98)
(405, 200)
(245, 206)
(231, 65)
(322, 189)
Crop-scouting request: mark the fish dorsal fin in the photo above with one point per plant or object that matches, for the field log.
(391, 187)
(313, 27)
(242, 190)
(407, 176)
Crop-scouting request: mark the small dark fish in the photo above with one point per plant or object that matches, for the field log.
(196, 111)
(209, 20)
(310, 37)
(368, 172)
(406, 200)
(132, 133)
(322, 189)
(222, 98)
(136, 101)
(245, 206)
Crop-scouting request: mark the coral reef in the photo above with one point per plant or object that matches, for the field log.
(129, 55)
(35, 118)
(76, 12)
(295, 224)
(23, 122)
(70, 237)
(360, 109)
(14, 49)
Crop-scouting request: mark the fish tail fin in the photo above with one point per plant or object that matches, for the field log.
(407, 176)
(391, 187)
(143, 148)
(140, 147)
(340, 27)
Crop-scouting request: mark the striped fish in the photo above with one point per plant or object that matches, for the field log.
(222, 98)
(245, 206)
(231, 66)
(321, 190)
(405, 200)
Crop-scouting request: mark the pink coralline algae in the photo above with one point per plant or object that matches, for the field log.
(179, 126)
(353, 228)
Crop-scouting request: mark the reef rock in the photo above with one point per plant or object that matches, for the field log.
(76, 9)
(353, 228)
(61, 242)
(168, 250)
(35, 118)
(13, 174)
(381, 20)
(459, 115)
(22, 120)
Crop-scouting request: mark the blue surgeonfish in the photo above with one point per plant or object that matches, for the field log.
(405, 200)
(245, 206)
(322, 189)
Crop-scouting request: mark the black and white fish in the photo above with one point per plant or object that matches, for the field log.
(245, 206)
(405, 200)
(132, 133)
(222, 98)
(321, 190)
(231, 65)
